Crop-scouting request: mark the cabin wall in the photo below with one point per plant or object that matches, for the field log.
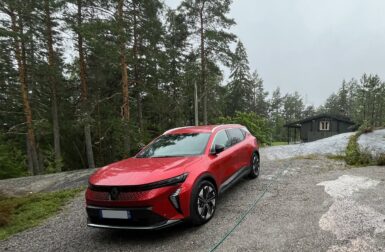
(310, 131)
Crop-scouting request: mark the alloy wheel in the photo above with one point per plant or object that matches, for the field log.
(255, 164)
(206, 202)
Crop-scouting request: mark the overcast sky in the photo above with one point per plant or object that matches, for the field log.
(311, 46)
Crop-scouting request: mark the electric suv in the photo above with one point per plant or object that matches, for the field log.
(177, 177)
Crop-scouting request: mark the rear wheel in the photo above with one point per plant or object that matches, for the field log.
(203, 202)
(254, 173)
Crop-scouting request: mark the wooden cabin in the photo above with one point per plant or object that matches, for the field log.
(317, 127)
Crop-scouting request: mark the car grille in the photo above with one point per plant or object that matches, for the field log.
(122, 196)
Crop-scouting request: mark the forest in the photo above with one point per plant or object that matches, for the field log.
(84, 83)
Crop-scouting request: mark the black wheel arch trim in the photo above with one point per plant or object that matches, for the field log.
(206, 176)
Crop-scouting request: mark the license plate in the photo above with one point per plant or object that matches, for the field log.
(116, 214)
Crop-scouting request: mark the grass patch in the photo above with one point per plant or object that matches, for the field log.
(20, 213)
(337, 157)
(307, 157)
(278, 143)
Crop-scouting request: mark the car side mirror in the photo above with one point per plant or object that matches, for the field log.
(218, 149)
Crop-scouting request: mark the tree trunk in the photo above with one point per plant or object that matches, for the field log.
(29, 158)
(21, 63)
(125, 92)
(203, 63)
(84, 91)
(136, 69)
(196, 116)
(89, 151)
(53, 81)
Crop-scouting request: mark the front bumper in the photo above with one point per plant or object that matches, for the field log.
(148, 208)
(141, 219)
(154, 227)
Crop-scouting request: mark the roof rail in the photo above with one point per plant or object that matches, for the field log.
(176, 129)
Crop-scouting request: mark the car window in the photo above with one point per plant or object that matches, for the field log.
(221, 139)
(176, 145)
(245, 131)
(235, 136)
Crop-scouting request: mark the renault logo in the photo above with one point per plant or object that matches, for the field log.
(114, 193)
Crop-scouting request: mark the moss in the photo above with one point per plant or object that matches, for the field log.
(20, 213)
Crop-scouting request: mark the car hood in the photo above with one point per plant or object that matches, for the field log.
(139, 171)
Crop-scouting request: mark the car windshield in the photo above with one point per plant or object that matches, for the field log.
(176, 145)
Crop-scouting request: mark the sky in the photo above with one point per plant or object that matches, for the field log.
(310, 46)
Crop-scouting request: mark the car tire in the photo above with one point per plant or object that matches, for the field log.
(254, 164)
(203, 203)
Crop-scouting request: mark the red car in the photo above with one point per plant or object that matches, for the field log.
(177, 177)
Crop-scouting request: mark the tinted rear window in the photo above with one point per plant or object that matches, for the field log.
(235, 135)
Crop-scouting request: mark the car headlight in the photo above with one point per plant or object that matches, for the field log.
(170, 181)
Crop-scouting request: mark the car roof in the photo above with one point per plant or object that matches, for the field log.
(201, 129)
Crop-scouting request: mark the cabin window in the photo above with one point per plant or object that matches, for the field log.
(324, 125)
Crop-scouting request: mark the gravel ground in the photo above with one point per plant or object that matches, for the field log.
(299, 212)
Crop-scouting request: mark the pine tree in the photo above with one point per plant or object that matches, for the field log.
(208, 20)
(260, 104)
(122, 40)
(17, 11)
(49, 8)
(240, 87)
(76, 21)
(292, 107)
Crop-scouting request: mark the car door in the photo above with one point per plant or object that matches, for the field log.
(239, 154)
(221, 162)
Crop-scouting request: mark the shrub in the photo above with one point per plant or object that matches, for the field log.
(257, 125)
(365, 128)
(381, 159)
(12, 161)
(353, 154)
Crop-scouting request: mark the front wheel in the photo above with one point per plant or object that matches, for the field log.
(254, 173)
(203, 202)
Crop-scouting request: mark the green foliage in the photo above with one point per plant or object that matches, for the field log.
(381, 159)
(361, 100)
(257, 126)
(164, 62)
(52, 165)
(365, 128)
(20, 213)
(355, 156)
(12, 161)
(240, 88)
